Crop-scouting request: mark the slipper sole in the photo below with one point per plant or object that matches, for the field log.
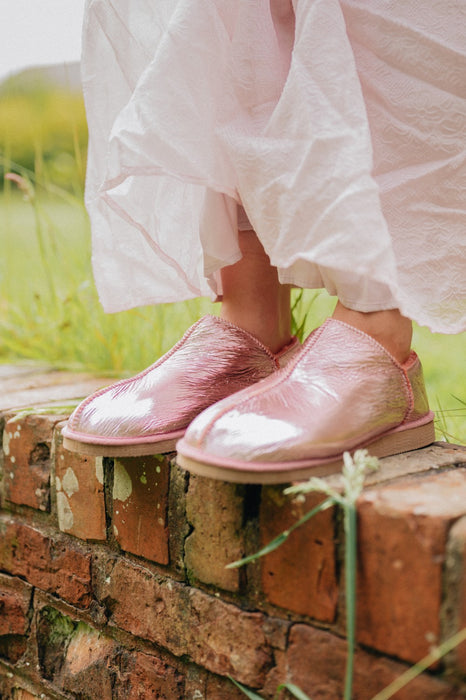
(150, 446)
(399, 440)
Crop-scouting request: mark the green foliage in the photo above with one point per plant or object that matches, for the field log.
(59, 627)
(49, 309)
(309, 308)
(44, 130)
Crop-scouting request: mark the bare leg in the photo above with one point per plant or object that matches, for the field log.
(389, 328)
(253, 298)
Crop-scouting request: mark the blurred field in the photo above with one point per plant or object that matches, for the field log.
(49, 311)
(43, 130)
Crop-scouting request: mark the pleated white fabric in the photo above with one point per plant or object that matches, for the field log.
(340, 127)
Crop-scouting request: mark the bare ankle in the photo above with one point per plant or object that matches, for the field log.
(271, 331)
(389, 328)
(253, 297)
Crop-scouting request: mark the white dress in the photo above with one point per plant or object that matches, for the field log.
(339, 126)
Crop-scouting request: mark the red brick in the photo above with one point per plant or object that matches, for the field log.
(215, 511)
(222, 689)
(202, 685)
(89, 666)
(53, 564)
(26, 445)
(98, 667)
(11, 690)
(195, 682)
(146, 677)
(214, 634)
(301, 574)
(15, 599)
(315, 661)
(276, 632)
(178, 526)
(402, 540)
(227, 640)
(79, 482)
(140, 506)
(13, 647)
(455, 603)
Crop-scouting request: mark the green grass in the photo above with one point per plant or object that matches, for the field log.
(49, 310)
(43, 127)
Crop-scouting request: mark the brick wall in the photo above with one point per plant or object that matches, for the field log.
(113, 581)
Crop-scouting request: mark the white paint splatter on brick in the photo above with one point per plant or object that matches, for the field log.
(65, 514)
(70, 482)
(122, 484)
(99, 470)
(6, 443)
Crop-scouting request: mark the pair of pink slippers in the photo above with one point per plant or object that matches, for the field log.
(237, 412)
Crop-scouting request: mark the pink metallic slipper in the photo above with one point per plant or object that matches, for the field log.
(342, 392)
(148, 413)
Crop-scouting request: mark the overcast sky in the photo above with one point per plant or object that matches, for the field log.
(39, 32)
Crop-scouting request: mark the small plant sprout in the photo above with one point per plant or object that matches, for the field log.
(352, 478)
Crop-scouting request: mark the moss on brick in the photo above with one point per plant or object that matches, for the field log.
(54, 632)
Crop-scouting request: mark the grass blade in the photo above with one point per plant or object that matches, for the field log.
(283, 536)
(249, 693)
(294, 690)
(420, 667)
(457, 398)
(350, 592)
(270, 547)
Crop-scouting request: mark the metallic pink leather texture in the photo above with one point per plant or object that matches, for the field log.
(213, 359)
(342, 392)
